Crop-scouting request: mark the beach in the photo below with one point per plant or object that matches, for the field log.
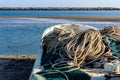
(16, 67)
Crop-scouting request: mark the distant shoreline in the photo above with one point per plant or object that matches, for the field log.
(84, 18)
(59, 8)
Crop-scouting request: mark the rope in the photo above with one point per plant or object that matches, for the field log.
(86, 45)
(112, 32)
(59, 37)
(62, 70)
(75, 46)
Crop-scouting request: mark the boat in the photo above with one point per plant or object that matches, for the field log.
(96, 74)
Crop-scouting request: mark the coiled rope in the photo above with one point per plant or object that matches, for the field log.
(88, 44)
(74, 46)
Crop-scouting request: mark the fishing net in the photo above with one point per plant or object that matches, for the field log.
(64, 70)
(54, 60)
(114, 46)
(60, 36)
(62, 73)
(112, 32)
(76, 47)
(89, 45)
(72, 47)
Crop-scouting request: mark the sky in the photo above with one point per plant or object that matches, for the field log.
(60, 3)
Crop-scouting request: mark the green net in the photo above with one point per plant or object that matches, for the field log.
(58, 69)
(64, 51)
(67, 73)
(115, 46)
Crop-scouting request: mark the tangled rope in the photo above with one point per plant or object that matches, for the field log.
(60, 37)
(89, 45)
(112, 32)
(74, 46)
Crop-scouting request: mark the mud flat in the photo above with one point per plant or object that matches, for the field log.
(86, 18)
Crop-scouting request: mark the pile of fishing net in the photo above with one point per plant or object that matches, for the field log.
(72, 46)
(113, 34)
(62, 71)
(76, 46)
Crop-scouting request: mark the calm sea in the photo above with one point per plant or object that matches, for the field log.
(60, 13)
(23, 35)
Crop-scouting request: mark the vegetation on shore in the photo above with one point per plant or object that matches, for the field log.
(58, 8)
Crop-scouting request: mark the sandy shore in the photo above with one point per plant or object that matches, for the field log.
(16, 67)
(88, 18)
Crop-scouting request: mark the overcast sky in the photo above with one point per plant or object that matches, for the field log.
(60, 3)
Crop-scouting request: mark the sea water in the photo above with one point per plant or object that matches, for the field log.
(23, 35)
(59, 13)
